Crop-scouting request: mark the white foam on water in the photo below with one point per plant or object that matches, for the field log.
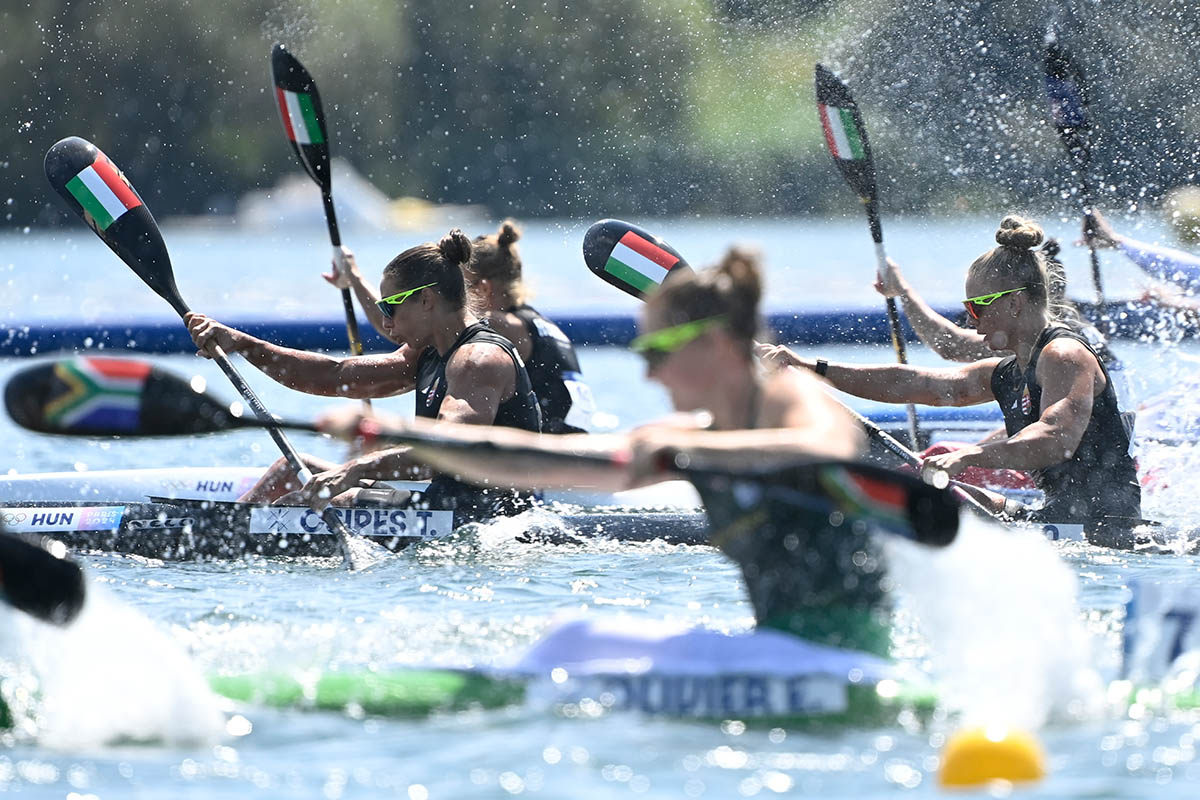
(998, 610)
(109, 677)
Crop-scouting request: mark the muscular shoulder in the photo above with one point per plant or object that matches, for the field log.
(1067, 352)
(483, 363)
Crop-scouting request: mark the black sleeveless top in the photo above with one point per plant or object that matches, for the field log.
(555, 374)
(807, 571)
(1099, 480)
(519, 411)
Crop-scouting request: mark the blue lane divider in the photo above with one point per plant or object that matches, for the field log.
(800, 327)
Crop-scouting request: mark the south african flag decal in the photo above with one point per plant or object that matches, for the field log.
(879, 502)
(102, 392)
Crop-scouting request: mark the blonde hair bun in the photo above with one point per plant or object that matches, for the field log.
(1019, 233)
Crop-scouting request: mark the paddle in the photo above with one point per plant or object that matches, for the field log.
(866, 491)
(37, 578)
(846, 136)
(601, 246)
(95, 396)
(898, 503)
(630, 258)
(304, 123)
(98, 192)
(1066, 92)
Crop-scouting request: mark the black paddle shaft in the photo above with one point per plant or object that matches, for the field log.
(931, 513)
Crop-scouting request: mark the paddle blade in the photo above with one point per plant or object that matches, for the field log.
(35, 577)
(300, 110)
(88, 396)
(897, 503)
(845, 133)
(102, 196)
(630, 258)
(1066, 92)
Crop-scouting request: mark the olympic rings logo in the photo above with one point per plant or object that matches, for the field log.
(13, 517)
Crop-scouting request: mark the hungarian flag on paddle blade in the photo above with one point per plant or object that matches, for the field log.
(842, 132)
(299, 114)
(639, 262)
(103, 192)
(845, 133)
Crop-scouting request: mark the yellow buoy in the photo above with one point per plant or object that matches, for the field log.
(975, 757)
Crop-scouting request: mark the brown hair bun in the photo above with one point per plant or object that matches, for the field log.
(740, 275)
(509, 234)
(455, 247)
(1019, 233)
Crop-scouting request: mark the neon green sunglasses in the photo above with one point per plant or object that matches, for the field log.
(657, 345)
(973, 304)
(385, 305)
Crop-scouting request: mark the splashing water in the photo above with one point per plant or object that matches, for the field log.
(998, 613)
(109, 677)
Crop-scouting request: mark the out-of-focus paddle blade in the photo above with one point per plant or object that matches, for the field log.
(93, 396)
(95, 189)
(629, 257)
(300, 110)
(1066, 93)
(37, 578)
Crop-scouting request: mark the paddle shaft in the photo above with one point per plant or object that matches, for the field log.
(892, 313)
(479, 452)
(335, 238)
(889, 441)
(1092, 254)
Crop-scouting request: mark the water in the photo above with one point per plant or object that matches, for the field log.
(997, 615)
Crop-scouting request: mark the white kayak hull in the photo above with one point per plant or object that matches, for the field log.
(226, 484)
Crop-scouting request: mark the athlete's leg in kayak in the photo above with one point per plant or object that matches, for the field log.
(280, 478)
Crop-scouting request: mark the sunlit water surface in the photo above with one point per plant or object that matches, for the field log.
(998, 617)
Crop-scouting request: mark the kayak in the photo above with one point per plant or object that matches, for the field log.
(588, 667)
(227, 484)
(182, 530)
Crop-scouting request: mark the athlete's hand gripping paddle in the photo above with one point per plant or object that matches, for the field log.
(99, 193)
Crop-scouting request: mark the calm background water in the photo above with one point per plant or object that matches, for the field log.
(997, 613)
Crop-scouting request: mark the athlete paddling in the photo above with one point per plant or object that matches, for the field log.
(1060, 409)
(461, 370)
(497, 293)
(808, 572)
